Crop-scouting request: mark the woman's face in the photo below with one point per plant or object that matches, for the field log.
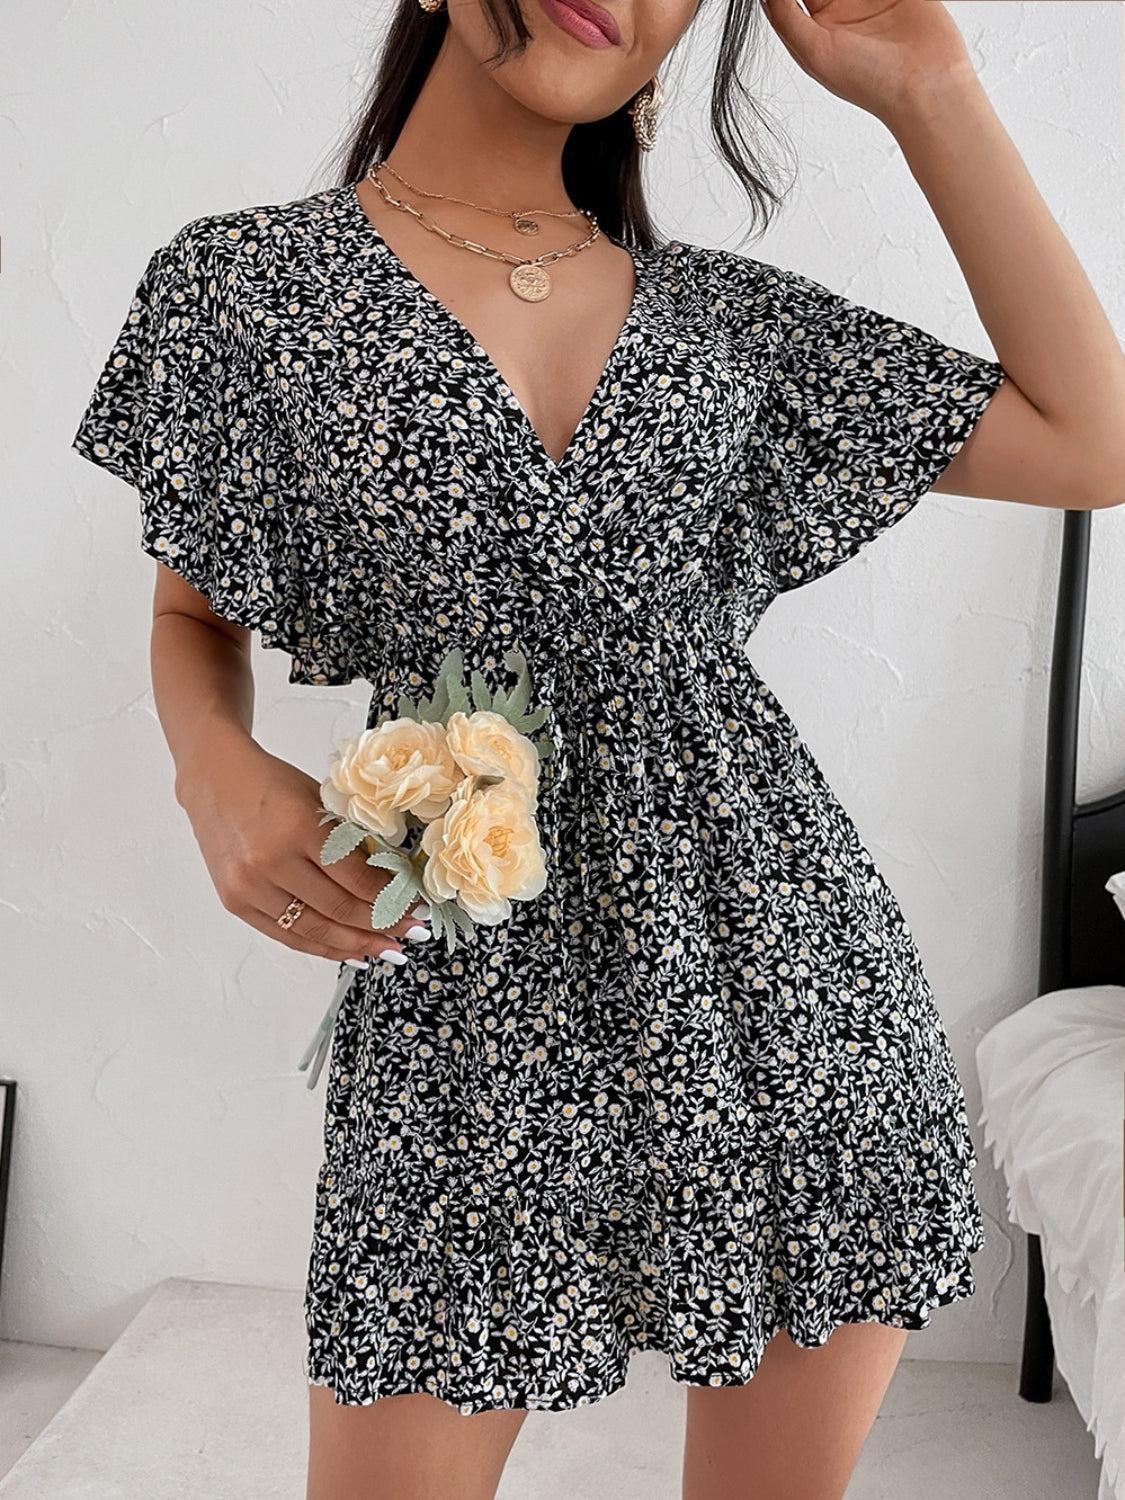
(585, 59)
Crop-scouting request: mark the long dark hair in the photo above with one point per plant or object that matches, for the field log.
(601, 159)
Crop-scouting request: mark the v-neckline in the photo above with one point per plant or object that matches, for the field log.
(481, 355)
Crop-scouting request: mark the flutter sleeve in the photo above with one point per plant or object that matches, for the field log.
(858, 414)
(180, 412)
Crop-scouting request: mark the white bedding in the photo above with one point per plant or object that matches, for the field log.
(1052, 1086)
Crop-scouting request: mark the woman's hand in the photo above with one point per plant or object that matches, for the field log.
(873, 53)
(257, 822)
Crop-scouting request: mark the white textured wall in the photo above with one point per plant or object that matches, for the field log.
(163, 1127)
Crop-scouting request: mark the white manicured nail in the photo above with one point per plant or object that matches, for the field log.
(422, 910)
(356, 963)
(393, 956)
(418, 934)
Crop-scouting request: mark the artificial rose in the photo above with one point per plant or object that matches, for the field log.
(380, 775)
(484, 851)
(485, 744)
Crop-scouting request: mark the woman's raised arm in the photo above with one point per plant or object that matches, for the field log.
(1054, 433)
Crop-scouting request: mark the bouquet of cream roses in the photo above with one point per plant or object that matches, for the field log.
(442, 794)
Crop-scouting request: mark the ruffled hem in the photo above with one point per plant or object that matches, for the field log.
(318, 658)
(536, 1295)
(361, 1389)
(861, 415)
(250, 568)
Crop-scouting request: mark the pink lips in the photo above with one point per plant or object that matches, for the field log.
(584, 20)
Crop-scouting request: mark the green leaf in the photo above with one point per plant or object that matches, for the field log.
(345, 837)
(451, 668)
(391, 859)
(436, 707)
(462, 919)
(450, 695)
(406, 707)
(482, 698)
(546, 747)
(392, 901)
(442, 915)
(520, 695)
(528, 723)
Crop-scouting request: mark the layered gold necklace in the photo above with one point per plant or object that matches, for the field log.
(528, 278)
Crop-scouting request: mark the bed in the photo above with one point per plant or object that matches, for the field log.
(1051, 1073)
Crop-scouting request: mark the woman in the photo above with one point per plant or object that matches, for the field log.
(696, 1096)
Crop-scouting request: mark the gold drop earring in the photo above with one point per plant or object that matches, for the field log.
(644, 109)
(431, 4)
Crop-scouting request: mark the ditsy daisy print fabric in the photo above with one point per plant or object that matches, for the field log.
(699, 1090)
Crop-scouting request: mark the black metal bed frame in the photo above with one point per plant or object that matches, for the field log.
(7, 1130)
(1081, 934)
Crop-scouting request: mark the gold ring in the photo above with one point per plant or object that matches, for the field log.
(291, 912)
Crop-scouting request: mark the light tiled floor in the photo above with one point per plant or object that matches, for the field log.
(203, 1398)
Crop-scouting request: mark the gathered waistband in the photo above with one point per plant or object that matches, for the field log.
(544, 622)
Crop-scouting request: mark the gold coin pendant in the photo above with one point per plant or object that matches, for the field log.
(530, 282)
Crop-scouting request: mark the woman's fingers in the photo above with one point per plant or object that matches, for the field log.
(354, 875)
(313, 883)
(362, 882)
(260, 901)
(337, 902)
(796, 28)
(298, 937)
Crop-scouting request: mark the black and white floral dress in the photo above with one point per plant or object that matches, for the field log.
(698, 1090)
